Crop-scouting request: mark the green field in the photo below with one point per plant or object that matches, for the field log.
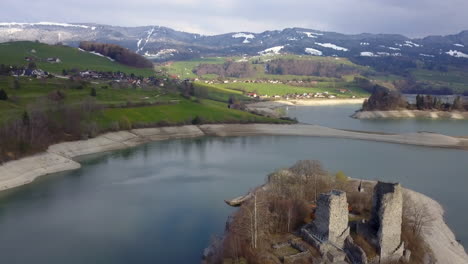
(183, 112)
(170, 108)
(14, 53)
(184, 69)
(453, 78)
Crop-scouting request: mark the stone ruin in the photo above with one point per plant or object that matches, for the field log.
(330, 231)
(330, 228)
(331, 222)
(386, 220)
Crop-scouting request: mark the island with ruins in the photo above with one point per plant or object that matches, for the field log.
(388, 103)
(304, 214)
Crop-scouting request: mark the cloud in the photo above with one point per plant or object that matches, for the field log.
(412, 18)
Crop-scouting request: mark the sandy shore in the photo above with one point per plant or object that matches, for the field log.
(59, 157)
(411, 114)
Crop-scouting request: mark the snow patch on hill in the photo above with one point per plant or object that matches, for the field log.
(426, 55)
(459, 45)
(164, 53)
(393, 48)
(457, 54)
(379, 54)
(100, 55)
(311, 34)
(312, 51)
(245, 36)
(331, 46)
(271, 51)
(150, 33)
(411, 44)
(15, 24)
(365, 43)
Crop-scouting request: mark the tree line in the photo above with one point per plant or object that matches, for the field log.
(228, 69)
(310, 68)
(118, 53)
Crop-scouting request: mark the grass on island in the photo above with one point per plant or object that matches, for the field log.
(14, 53)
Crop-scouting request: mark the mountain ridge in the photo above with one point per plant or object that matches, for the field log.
(163, 43)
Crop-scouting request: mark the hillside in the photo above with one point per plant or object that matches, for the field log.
(162, 43)
(24, 52)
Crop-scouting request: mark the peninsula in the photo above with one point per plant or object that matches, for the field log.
(304, 214)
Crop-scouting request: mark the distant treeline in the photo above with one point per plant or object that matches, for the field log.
(228, 69)
(119, 54)
(310, 68)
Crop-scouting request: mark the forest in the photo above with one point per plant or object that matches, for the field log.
(117, 53)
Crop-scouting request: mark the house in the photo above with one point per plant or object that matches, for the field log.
(53, 60)
(253, 95)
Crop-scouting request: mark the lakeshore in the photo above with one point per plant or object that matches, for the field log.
(401, 114)
(59, 157)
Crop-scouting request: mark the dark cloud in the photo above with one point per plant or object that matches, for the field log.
(412, 18)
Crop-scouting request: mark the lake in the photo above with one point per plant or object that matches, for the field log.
(338, 116)
(162, 202)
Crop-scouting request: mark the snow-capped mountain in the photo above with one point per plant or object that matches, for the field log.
(162, 43)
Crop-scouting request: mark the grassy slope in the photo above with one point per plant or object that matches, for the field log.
(13, 53)
(214, 110)
(454, 78)
(183, 112)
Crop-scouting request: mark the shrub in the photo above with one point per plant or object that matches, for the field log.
(93, 92)
(125, 124)
(3, 95)
(197, 121)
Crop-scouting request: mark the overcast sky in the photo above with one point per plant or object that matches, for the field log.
(414, 18)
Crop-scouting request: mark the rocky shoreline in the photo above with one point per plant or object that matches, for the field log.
(397, 114)
(59, 157)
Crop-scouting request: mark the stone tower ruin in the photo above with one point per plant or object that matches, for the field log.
(331, 222)
(386, 220)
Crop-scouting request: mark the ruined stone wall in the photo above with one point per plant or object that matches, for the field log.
(331, 222)
(386, 219)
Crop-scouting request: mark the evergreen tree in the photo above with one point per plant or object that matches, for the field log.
(93, 92)
(457, 103)
(25, 119)
(419, 102)
(3, 95)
